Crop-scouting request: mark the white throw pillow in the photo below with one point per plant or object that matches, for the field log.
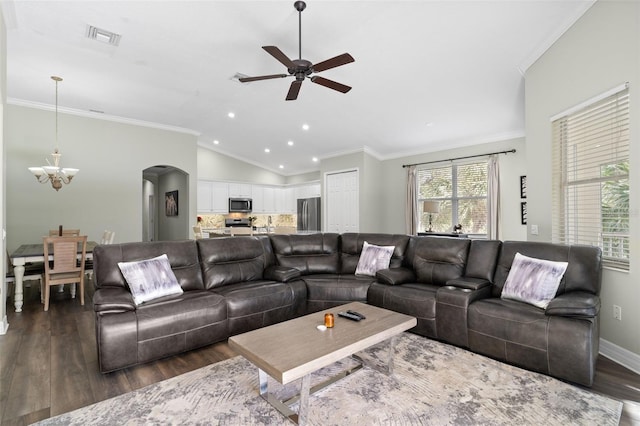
(533, 281)
(149, 279)
(373, 258)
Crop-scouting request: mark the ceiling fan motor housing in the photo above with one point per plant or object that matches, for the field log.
(302, 69)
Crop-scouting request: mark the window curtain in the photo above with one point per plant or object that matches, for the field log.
(493, 198)
(411, 208)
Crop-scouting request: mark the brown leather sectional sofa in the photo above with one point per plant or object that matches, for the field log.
(452, 285)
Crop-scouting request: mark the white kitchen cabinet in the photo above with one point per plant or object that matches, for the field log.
(257, 194)
(264, 199)
(240, 190)
(213, 197)
(220, 197)
(205, 200)
(307, 191)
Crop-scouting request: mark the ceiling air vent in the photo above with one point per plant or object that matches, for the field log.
(104, 36)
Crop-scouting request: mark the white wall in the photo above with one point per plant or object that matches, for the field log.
(216, 166)
(600, 51)
(106, 193)
(394, 182)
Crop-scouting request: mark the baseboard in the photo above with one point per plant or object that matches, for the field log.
(622, 356)
(4, 325)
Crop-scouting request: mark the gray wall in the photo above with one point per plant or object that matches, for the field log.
(106, 193)
(600, 51)
(172, 227)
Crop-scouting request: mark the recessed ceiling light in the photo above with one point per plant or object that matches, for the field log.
(290, 143)
(429, 124)
(216, 142)
(281, 166)
(267, 150)
(231, 115)
(305, 127)
(315, 159)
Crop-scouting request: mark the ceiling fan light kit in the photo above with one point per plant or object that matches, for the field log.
(302, 68)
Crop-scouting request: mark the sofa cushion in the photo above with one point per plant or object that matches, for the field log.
(436, 260)
(533, 281)
(584, 272)
(351, 247)
(150, 279)
(183, 257)
(231, 260)
(339, 288)
(177, 323)
(310, 254)
(256, 304)
(373, 258)
(509, 321)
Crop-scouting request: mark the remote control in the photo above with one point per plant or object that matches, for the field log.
(349, 316)
(356, 314)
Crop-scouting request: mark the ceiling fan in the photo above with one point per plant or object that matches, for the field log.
(301, 68)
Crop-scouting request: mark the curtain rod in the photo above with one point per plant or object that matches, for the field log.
(460, 158)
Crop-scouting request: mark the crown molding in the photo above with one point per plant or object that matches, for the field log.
(539, 50)
(101, 116)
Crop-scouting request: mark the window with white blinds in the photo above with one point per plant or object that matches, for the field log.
(591, 178)
(461, 193)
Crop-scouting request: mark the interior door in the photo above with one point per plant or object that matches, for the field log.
(342, 205)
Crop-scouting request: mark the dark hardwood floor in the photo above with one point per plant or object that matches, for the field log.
(48, 363)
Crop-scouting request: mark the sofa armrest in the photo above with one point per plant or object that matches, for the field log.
(469, 283)
(396, 276)
(281, 273)
(113, 299)
(574, 304)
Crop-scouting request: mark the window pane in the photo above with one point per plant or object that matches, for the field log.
(472, 180)
(434, 183)
(472, 215)
(461, 192)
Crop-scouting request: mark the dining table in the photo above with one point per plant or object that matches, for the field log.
(35, 253)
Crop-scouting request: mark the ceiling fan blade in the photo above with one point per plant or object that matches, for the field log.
(343, 59)
(294, 89)
(330, 84)
(262, 77)
(277, 53)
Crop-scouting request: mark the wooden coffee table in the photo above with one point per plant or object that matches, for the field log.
(294, 349)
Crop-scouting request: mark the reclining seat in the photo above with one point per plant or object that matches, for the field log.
(257, 292)
(562, 340)
(317, 258)
(127, 334)
(411, 289)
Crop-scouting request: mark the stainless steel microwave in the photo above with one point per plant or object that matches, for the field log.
(240, 205)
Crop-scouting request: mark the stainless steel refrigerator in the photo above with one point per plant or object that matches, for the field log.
(309, 214)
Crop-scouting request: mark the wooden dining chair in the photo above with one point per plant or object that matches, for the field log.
(107, 238)
(66, 267)
(197, 232)
(65, 232)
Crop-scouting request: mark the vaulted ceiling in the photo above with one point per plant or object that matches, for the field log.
(427, 75)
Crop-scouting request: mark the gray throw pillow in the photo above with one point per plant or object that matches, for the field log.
(373, 258)
(533, 281)
(149, 279)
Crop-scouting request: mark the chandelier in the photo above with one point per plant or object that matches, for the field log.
(52, 172)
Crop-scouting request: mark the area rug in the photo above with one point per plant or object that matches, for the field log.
(433, 384)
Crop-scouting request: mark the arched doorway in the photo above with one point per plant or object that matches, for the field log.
(165, 204)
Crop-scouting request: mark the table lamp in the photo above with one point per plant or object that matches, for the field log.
(430, 207)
